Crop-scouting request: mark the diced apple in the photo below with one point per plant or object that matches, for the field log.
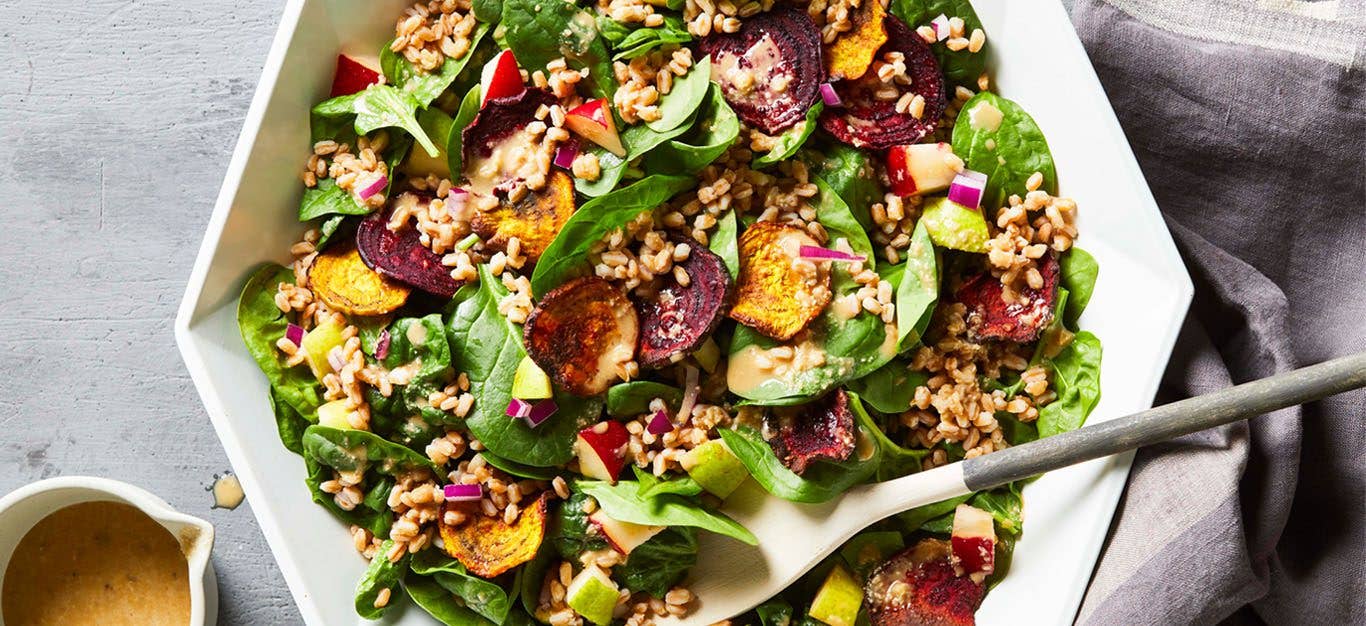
(335, 414)
(593, 595)
(530, 382)
(715, 468)
(952, 225)
(974, 540)
(318, 343)
(352, 77)
(601, 449)
(922, 168)
(501, 78)
(593, 121)
(708, 355)
(624, 536)
(838, 600)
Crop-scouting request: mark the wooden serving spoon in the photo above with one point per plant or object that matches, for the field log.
(731, 578)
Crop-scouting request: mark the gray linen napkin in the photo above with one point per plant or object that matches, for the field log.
(1249, 121)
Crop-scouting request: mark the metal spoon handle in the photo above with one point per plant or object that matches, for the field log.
(1165, 422)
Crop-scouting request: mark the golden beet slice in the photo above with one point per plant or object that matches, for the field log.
(849, 55)
(583, 333)
(342, 280)
(534, 220)
(488, 546)
(779, 293)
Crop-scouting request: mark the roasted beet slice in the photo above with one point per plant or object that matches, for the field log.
(821, 430)
(497, 153)
(991, 317)
(342, 280)
(534, 219)
(583, 333)
(866, 121)
(771, 69)
(400, 254)
(919, 587)
(779, 293)
(678, 318)
(489, 546)
(850, 54)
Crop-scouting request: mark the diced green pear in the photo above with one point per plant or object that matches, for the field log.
(837, 603)
(593, 595)
(715, 468)
(334, 415)
(952, 225)
(318, 342)
(708, 355)
(530, 382)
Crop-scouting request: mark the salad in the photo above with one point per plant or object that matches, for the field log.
(570, 275)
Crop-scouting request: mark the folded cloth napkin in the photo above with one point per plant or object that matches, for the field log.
(1249, 121)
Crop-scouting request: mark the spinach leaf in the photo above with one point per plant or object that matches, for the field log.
(725, 242)
(1076, 379)
(866, 550)
(612, 31)
(840, 223)
(484, 597)
(488, 11)
(1008, 152)
(426, 86)
(574, 534)
(638, 140)
(775, 612)
(330, 228)
(379, 106)
(455, 155)
(680, 104)
(890, 388)
(917, 288)
(440, 603)
(915, 519)
(421, 341)
(712, 134)
(518, 469)
(622, 502)
(642, 41)
(382, 574)
(540, 31)
(896, 460)
(658, 564)
(262, 324)
(289, 423)
(850, 173)
(327, 199)
(488, 347)
(1006, 506)
(822, 481)
(960, 67)
(1079, 273)
(350, 450)
(791, 140)
(533, 575)
(377, 498)
(567, 255)
(633, 398)
(377, 522)
(651, 485)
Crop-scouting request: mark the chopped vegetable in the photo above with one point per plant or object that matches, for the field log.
(583, 334)
(488, 546)
(777, 295)
(343, 281)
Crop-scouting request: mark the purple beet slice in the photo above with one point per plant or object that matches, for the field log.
(497, 123)
(678, 319)
(771, 69)
(821, 430)
(991, 317)
(400, 254)
(865, 121)
(920, 586)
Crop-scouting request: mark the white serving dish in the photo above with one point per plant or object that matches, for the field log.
(24, 507)
(1139, 303)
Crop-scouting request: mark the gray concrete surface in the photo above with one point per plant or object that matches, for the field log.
(118, 118)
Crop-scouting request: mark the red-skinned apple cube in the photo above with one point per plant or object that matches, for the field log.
(501, 78)
(352, 77)
(974, 540)
(624, 536)
(593, 121)
(921, 168)
(601, 449)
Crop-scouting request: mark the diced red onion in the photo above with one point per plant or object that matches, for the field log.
(335, 359)
(374, 188)
(817, 253)
(382, 346)
(540, 412)
(690, 391)
(660, 424)
(463, 493)
(941, 27)
(456, 199)
(967, 188)
(519, 408)
(829, 96)
(565, 155)
(295, 334)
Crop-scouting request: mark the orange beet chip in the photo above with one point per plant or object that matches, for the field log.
(342, 280)
(534, 220)
(849, 55)
(488, 546)
(779, 293)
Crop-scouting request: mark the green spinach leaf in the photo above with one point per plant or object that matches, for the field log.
(960, 67)
(680, 105)
(574, 534)
(290, 424)
(377, 522)
(519, 469)
(540, 31)
(1079, 273)
(1076, 379)
(351, 450)
(382, 574)
(455, 155)
(488, 11)
(488, 347)
(791, 140)
(868, 549)
(440, 603)
(678, 484)
(725, 242)
(917, 288)
(915, 519)
(1008, 152)
(711, 135)
(622, 502)
(567, 255)
(822, 481)
(896, 460)
(262, 324)
(421, 342)
(485, 597)
(775, 612)
(840, 223)
(890, 388)
(642, 41)
(633, 398)
(379, 106)
(426, 86)
(658, 564)
(850, 173)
